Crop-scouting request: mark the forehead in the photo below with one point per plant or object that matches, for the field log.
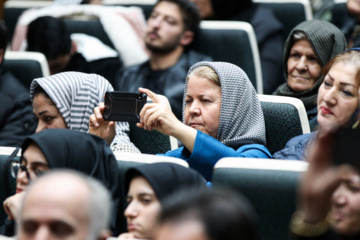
(140, 185)
(303, 44)
(168, 9)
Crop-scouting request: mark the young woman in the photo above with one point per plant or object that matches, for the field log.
(147, 186)
(62, 148)
(66, 100)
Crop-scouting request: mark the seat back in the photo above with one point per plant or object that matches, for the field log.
(285, 118)
(128, 160)
(339, 13)
(289, 12)
(7, 182)
(234, 42)
(145, 5)
(13, 10)
(152, 142)
(269, 185)
(26, 66)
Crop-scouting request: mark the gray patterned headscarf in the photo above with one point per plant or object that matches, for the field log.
(76, 95)
(241, 117)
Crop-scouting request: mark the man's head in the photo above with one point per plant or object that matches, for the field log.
(65, 205)
(171, 25)
(206, 215)
(3, 40)
(49, 36)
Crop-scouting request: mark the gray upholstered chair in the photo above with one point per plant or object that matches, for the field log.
(289, 12)
(26, 66)
(270, 186)
(285, 118)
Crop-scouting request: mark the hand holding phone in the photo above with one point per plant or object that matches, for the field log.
(123, 106)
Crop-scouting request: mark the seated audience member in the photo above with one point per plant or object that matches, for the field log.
(268, 32)
(222, 117)
(16, 118)
(349, 23)
(329, 197)
(171, 27)
(310, 45)
(50, 36)
(147, 186)
(206, 215)
(59, 149)
(65, 205)
(337, 102)
(66, 100)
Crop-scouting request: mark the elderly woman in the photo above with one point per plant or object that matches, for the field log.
(310, 45)
(221, 113)
(62, 148)
(337, 102)
(66, 100)
(147, 186)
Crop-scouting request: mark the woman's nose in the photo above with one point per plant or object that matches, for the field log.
(22, 178)
(340, 196)
(302, 64)
(41, 126)
(194, 109)
(330, 96)
(131, 210)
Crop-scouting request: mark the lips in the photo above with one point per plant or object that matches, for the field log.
(153, 35)
(299, 77)
(18, 190)
(325, 110)
(131, 227)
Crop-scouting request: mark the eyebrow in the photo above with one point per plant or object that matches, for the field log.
(43, 112)
(35, 163)
(341, 83)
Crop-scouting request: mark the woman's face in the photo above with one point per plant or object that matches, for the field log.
(338, 96)
(142, 210)
(47, 113)
(303, 66)
(35, 162)
(345, 210)
(202, 110)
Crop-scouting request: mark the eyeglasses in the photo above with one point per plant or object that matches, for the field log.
(17, 166)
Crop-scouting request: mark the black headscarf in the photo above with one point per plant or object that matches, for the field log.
(166, 178)
(86, 153)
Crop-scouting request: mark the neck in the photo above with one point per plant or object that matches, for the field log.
(161, 61)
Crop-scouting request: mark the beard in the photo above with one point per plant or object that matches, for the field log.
(165, 48)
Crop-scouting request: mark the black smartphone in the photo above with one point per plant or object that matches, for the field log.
(347, 147)
(123, 106)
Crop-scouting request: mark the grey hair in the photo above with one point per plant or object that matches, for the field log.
(298, 35)
(100, 205)
(99, 201)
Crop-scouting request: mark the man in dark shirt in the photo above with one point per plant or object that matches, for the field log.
(171, 28)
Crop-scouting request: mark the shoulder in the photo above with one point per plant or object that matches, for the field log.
(254, 150)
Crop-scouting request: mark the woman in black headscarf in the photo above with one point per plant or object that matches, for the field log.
(268, 32)
(147, 186)
(63, 148)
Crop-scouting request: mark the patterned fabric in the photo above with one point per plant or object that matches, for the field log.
(241, 116)
(76, 95)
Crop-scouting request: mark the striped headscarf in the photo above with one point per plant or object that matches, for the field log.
(241, 117)
(76, 94)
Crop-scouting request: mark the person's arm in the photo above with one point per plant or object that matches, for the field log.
(158, 116)
(316, 189)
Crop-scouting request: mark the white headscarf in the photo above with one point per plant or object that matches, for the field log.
(241, 117)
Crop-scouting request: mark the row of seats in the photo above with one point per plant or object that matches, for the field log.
(270, 185)
(285, 117)
(233, 42)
